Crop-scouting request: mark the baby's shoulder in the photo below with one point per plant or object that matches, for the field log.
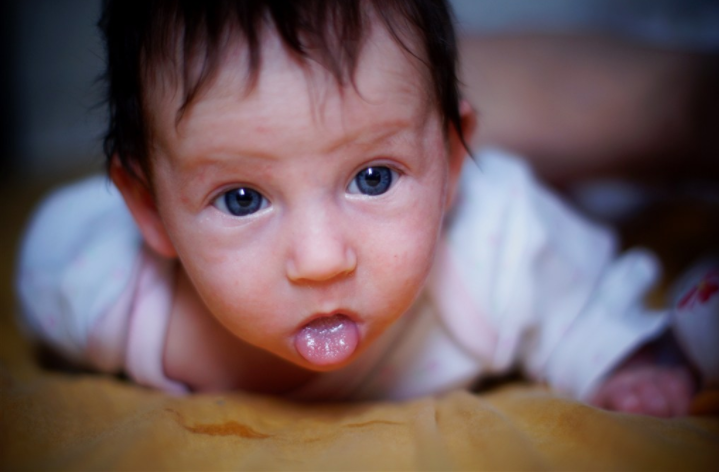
(73, 215)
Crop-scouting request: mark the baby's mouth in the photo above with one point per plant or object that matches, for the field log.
(327, 340)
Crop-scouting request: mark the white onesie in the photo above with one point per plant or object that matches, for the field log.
(519, 281)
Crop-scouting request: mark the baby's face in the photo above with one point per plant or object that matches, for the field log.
(305, 214)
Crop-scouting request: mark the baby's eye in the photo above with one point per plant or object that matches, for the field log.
(373, 180)
(241, 201)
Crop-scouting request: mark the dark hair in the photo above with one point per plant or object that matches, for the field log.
(142, 34)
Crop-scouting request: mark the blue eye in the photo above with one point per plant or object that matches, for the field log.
(373, 180)
(241, 201)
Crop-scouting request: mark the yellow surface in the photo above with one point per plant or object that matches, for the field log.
(91, 422)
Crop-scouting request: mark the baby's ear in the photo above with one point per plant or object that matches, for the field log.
(141, 203)
(457, 151)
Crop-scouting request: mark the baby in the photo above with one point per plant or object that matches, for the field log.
(293, 212)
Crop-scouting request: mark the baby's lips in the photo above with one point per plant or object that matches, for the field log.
(327, 340)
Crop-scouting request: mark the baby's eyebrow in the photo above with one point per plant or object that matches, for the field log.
(378, 133)
(363, 137)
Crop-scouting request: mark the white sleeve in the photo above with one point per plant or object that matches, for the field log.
(548, 281)
(78, 255)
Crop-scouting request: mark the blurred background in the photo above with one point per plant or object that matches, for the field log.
(51, 57)
(587, 88)
(579, 86)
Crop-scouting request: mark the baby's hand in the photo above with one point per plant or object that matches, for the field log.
(643, 387)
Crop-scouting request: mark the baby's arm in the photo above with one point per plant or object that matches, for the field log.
(564, 304)
(658, 379)
(645, 385)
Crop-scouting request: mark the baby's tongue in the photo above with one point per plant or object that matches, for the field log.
(328, 340)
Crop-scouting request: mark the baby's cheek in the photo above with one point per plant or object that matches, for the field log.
(406, 265)
(230, 290)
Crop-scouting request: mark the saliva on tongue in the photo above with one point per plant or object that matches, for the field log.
(327, 340)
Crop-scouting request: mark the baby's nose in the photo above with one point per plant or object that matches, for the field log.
(320, 251)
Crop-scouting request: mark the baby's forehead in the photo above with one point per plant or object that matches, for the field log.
(238, 65)
(289, 97)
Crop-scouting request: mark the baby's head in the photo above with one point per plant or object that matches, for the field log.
(297, 157)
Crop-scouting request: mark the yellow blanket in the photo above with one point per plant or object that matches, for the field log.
(53, 420)
(85, 421)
